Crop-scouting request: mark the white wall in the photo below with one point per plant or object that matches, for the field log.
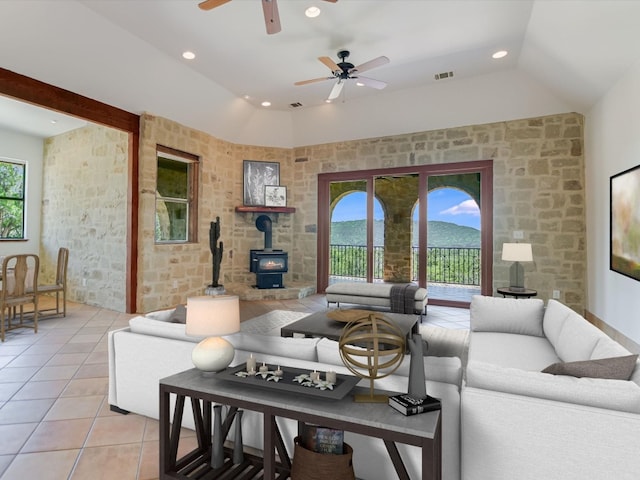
(612, 145)
(17, 146)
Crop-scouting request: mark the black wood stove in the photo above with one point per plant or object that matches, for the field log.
(268, 264)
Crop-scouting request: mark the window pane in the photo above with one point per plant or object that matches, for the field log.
(173, 178)
(11, 200)
(171, 221)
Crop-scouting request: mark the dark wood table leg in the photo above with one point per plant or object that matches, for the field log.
(396, 459)
(167, 464)
(269, 445)
(432, 455)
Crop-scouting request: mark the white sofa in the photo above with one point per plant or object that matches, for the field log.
(520, 423)
(152, 348)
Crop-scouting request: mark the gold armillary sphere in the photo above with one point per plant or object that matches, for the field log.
(372, 347)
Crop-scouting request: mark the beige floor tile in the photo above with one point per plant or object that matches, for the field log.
(78, 348)
(105, 409)
(91, 371)
(149, 468)
(45, 389)
(17, 374)
(10, 349)
(89, 338)
(97, 357)
(62, 372)
(86, 386)
(53, 337)
(67, 359)
(74, 407)
(25, 411)
(7, 359)
(115, 462)
(5, 460)
(8, 390)
(116, 430)
(60, 435)
(13, 437)
(39, 349)
(42, 466)
(31, 360)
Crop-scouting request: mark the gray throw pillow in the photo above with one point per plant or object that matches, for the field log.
(179, 315)
(615, 368)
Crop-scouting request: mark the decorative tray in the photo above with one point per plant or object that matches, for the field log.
(293, 380)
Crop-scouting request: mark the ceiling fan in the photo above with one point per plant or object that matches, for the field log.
(269, 7)
(344, 71)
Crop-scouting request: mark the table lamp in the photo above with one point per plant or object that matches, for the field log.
(516, 252)
(212, 317)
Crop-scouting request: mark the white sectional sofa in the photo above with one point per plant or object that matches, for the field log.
(152, 348)
(520, 423)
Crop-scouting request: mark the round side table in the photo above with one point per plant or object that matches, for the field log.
(526, 293)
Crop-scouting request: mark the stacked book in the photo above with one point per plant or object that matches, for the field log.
(407, 405)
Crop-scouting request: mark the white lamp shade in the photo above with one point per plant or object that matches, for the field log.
(517, 252)
(215, 315)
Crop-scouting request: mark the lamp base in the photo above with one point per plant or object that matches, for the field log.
(516, 277)
(212, 354)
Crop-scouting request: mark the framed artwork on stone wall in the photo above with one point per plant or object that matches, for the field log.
(625, 223)
(257, 175)
(275, 196)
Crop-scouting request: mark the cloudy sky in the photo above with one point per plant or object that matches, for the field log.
(446, 205)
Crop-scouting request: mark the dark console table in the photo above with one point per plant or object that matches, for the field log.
(375, 420)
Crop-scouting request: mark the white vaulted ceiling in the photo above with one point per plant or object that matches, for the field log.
(563, 56)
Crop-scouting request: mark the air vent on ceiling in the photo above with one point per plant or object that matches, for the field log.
(295, 105)
(443, 75)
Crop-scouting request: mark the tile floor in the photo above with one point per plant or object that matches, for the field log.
(55, 421)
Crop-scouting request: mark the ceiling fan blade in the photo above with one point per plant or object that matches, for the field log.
(211, 4)
(333, 66)
(271, 16)
(376, 62)
(332, 1)
(370, 82)
(335, 91)
(313, 80)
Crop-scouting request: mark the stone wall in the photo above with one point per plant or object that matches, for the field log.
(538, 188)
(169, 273)
(84, 208)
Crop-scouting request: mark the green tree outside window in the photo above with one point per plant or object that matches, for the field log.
(12, 180)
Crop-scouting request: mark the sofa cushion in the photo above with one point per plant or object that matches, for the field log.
(595, 392)
(617, 368)
(161, 328)
(570, 334)
(179, 315)
(511, 350)
(508, 315)
(295, 348)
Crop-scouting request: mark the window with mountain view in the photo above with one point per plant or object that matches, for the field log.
(12, 200)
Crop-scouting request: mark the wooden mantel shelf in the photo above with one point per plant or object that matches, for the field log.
(262, 209)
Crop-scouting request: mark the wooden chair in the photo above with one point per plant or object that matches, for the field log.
(60, 285)
(19, 288)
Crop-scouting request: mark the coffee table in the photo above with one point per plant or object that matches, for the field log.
(372, 419)
(319, 325)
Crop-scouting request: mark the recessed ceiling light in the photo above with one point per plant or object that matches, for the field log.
(327, 101)
(360, 84)
(54, 122)
(500, 54)
(188, 55)
(246, 97)
(312, 12)
(266, 104)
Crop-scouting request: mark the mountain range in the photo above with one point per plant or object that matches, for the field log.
(439, 234)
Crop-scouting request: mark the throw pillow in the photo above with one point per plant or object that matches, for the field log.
(179, 315)
(614, 368)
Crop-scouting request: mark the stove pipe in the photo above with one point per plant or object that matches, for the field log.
(263, 224)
